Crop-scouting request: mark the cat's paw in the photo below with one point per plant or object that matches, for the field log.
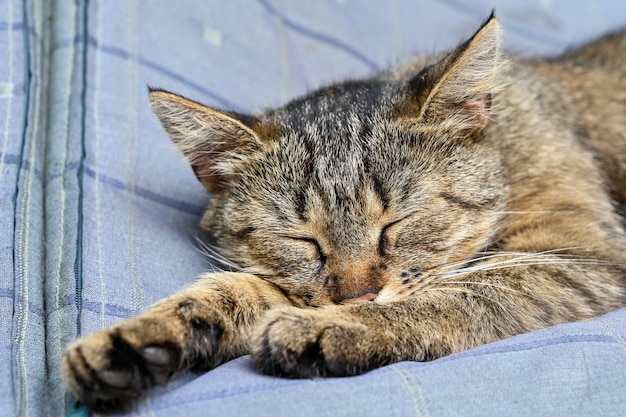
(109, 369)
(300, 343)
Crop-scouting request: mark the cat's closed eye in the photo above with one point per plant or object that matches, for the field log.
(384, 241)
(314, 244)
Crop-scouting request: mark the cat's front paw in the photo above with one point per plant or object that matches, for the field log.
(300, 343)
(109, 369)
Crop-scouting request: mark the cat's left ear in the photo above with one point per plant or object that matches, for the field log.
(457, 91)
(212, 140)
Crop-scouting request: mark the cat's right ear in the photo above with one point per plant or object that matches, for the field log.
(210, 139)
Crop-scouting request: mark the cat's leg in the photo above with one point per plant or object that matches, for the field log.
(199, 327)
(462, 313)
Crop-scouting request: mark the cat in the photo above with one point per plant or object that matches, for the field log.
(443, 204)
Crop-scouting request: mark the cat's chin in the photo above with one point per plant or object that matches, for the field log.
(388, 295)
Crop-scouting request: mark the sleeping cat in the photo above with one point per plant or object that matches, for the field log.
(447, 203)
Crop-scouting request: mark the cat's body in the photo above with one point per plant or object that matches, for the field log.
(441, 205)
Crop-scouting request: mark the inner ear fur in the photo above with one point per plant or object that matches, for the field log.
(210, 139)
(458, 90)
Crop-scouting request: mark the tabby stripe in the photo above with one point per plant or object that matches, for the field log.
(459, 202)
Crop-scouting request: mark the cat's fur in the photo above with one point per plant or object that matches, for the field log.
(448, 203)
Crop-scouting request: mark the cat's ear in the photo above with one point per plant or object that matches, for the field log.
(210, 139)
(458, 89)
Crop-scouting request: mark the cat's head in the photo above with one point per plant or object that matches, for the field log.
(358, 190)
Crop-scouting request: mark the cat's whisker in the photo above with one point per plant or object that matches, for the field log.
(549, 257)
(474, 293)
(485, 284)
(528, 261)
(553, 259)
(495, 254)
(210, 252)
(527, 212)
(522, 263)
(519, 255)
(513, 263)
(488, 255)
(216, 261)
(213, 267)
(558, 211)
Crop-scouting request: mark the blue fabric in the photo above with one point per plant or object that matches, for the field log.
(22, 110)
(571, 370)
(99, 212)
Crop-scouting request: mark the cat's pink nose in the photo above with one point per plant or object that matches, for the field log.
(362, 299)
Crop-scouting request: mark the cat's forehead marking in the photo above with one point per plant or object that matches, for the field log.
(347, 227)
(336, 105)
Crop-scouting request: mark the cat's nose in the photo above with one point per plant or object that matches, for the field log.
(369, 296)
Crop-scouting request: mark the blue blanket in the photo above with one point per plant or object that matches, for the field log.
(99, 213)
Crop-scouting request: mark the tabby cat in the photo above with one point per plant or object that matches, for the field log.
(454, 201)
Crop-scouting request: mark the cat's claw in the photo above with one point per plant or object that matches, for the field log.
(304, 344)
(109, 369)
